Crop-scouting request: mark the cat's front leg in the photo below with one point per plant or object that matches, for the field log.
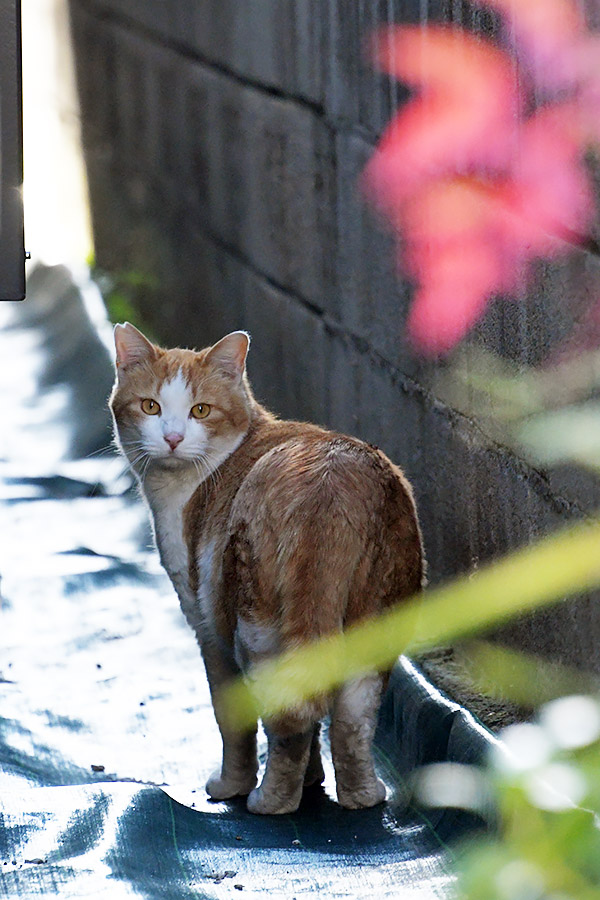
(237, 775)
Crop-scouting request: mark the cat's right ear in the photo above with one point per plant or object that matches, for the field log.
(132, 347)
(229, 354)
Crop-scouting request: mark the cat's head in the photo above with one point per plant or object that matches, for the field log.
(173, 407)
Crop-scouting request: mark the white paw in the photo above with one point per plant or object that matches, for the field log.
(219, 788)
(363, 797)
(263, 804)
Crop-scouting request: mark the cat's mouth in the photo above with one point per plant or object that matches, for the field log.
(171, 460)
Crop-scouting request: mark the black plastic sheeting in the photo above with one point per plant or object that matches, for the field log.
(106, 730)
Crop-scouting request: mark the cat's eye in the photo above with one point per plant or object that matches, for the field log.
(150, 407)
(200, 410)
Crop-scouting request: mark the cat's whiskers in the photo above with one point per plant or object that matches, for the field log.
(137, 443)
(145, 464)
(201, 468)
(135, 451)
(113, 447)
(141, 456)
(210, 472)
(132, 449)
(132, 446)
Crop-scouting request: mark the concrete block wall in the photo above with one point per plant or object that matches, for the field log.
(224, 140)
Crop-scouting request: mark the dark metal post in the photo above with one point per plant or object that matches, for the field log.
(12, 250)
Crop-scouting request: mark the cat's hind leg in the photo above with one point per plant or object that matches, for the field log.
(281, 788)
(352, 728)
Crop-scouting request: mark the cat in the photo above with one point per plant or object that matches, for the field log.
(274, 533)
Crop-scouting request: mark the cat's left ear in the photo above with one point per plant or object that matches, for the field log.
(229, 354)
(131, 346)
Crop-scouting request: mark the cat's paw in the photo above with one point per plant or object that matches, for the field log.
(363, 797)
(220, 788)
(271, 804)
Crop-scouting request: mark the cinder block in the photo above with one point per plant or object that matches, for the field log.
(357, 96)
(270, 176)
(151, 103)
(374, 295)
(275, 43)
(161, 18)
(290, 185)
(343, 383)
(95, 54)
(288, 359)
(214, 289)
(201, 149)
(134, 100)
(226, 148)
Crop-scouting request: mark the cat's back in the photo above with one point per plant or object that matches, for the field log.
(322, 532)
(305, 514)
(286, 469)
(312, 473)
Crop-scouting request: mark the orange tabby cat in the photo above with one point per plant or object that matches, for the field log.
(273, 533)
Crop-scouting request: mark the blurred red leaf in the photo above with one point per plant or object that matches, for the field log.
(453, 297)
(558, 53)
(475, 188)
(461, 118)
(548, 23)
(549, 191)
(548, 34)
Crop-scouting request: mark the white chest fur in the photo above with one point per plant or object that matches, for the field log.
(167, 498)
(167, 491)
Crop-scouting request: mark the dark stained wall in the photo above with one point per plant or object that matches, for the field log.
(224, 140)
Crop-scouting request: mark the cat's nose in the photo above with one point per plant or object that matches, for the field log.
(173, 438)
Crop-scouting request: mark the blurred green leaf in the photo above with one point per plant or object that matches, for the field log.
(487, 386)
(521, 677)
(549, 415)
(120, 308)
(567, 435)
